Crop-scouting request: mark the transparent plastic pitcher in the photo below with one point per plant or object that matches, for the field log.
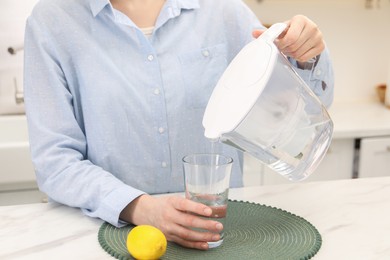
(263, 107)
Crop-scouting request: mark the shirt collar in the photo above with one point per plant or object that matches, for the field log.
(98, 5)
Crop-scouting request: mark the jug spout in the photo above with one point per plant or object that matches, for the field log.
(212, 135)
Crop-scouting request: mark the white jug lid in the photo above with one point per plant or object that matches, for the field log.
(241, 84)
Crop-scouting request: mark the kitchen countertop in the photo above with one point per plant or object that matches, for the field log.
(351, 215)
(357, 119)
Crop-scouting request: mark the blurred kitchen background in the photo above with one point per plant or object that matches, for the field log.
(357, 33)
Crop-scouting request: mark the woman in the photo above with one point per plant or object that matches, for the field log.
(115, 93)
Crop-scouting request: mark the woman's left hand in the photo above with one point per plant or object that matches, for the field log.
(302, 40)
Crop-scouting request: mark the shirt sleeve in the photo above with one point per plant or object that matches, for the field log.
(57, 141)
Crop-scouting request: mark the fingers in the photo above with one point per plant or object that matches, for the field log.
(185, 206)
(189, 234)
(302, 43)
(257, 33)
(190, 206)
(302, 40)
(190, 244)
(189, 220)
(293, 36)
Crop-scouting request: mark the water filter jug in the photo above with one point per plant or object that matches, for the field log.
(263, 107)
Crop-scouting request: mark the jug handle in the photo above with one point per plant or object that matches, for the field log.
(273, 32)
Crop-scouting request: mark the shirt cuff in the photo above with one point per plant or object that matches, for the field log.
(111, 207)
(312, 71)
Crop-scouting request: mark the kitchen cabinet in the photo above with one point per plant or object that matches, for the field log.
(17, 177)
(374, 157)
(368, 122)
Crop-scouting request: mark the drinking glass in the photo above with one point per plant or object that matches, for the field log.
(207, 178)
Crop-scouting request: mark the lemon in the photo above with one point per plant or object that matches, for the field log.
(146, 242)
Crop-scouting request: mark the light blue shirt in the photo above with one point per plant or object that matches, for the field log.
(111, 113)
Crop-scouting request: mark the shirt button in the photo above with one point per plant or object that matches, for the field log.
(161, 130)
(318, 72)
(150, 57)
(206, 53)
(156, 91)
(164, 164)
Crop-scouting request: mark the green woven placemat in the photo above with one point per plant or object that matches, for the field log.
(252, 231)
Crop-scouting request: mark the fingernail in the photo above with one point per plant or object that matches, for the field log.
(207, 211)
(205, 246)
(216, 237)
(219, 226)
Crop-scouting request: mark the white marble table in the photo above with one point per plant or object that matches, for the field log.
(353, 217)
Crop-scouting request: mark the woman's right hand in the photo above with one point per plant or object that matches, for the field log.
(175, 217)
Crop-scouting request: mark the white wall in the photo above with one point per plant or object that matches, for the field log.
(13, 14)
(358, 38)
